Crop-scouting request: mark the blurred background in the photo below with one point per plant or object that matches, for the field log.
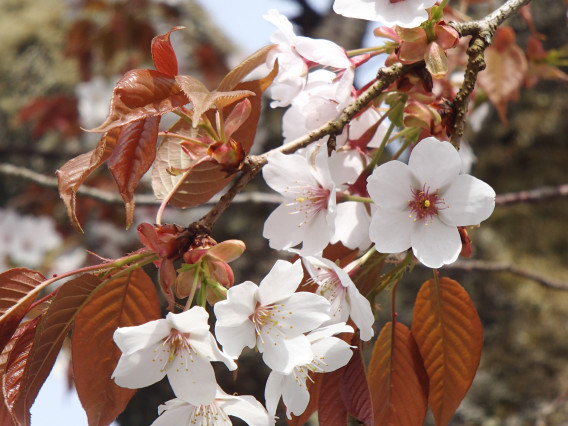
(59, 62)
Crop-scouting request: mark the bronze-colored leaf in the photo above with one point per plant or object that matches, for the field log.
(163, 53)
(331, 408)
(73, 173)
(203, 100)
(133, 155)
(13, 363)
(397, 379)
(506, 66)
(237, 74)
(18, 289)
(125, 301)
(50, 334)
(355, 390)
(142, 94)
(449, 335)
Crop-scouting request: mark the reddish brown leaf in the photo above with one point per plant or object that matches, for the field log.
(506, 66)
(14, 360)
(142, 94)
(332, 410)
(397, 379)
(237, 74)
(18, 290)
(51, 331)
(122, 302)
(73, 173)
(163, 53)
(355, 391)
(449, 335)
(237, 117)
(132, 157)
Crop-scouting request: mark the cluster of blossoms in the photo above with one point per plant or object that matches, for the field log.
(340, 197)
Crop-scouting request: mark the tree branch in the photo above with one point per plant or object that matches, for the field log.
(483, 266)
(482, 32)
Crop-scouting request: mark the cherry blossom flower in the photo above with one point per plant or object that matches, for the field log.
(405, 13)
(420, 205)
(307, 214)
(296, 53)
(179, 346)
(179, 412)
(329, 354)
(346, 301)
(271, 316)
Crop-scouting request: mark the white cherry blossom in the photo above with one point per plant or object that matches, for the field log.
(294, 53)
(179, 346)
(307, 214)
(329, 354)
(420, 205)
(404, 13)
(346, 301)
(272, 316)
(178, 412)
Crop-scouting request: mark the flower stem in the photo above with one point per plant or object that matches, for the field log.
(376, 157)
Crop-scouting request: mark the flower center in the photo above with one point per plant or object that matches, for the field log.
(425, 204)
(176, 344)
(208, 415)
(308, 201)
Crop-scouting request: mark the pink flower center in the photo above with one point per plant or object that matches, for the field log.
(266, 320)
(175, 345)
(309, 201)
(425, 204)
(395, 1)
(209, 415)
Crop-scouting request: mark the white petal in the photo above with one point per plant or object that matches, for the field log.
(361, 313)
(174, 412)
(284, 171)
(317, 233)
(295, 395)
(409, 13)
(192, 321)
(323, 52)
(281, 282)
(273, 391)
(141, 368)
(246, 408)
(132, 339)
(390, 185)
(303, 312)
(192, 379)
(282, 228)
(434, 163)
(436, 244)
(207, 348)
(328, 331)
(331, 353)
(352, 225)
(239, 305)
(390, 230)
(282, 23)
(235, 338)
(469, 201)
(283, 355)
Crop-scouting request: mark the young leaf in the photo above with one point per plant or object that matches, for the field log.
(73, 173)
(18, 289)
(355, 390)
(397, 379)
(203, 100)
(449, 335)
(13, 362)
(142, 94)
(163, 53)
(122, 302)
(50, 334)
(506, 66)
(132, 157)
(236, 75)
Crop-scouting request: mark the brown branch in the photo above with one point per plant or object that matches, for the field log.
(482, 32)
(483, 266)
(532, 196)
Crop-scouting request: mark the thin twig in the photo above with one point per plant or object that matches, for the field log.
(482, 32)
(483, 266)
(532, 196)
